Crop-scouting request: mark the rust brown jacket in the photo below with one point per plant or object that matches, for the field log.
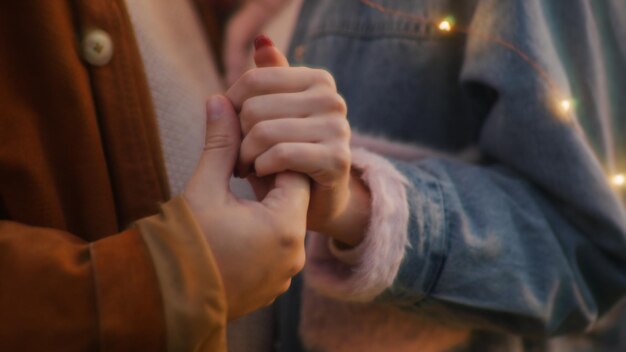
(80, 161)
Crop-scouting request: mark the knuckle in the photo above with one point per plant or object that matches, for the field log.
(287, 240)
(332, 102)
(341, 159)
(248, 109)
(339, 104)
(249, 114)
(280, 228)
(282, 153)
(324, 77)
(284, 287)
(288, 236)
(341, 128)
(261, 132)
(298, 265)
(251, 78)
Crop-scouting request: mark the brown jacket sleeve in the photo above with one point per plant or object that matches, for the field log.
(60, 293)
(193, 294)
(80, 159)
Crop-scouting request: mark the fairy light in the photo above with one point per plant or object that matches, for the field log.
(445, 26)
(566, 105)
(619, 180)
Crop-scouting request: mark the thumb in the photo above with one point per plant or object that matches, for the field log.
(266, 54)
(221, 146)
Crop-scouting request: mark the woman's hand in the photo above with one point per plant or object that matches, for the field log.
(294, 119)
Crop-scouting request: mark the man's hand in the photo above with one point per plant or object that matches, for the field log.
(258, 246)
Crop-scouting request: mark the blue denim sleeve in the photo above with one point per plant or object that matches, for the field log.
(533, 241)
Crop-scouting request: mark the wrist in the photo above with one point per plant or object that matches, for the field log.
(349, 228)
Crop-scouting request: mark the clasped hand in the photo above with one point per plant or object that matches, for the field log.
(295, 152)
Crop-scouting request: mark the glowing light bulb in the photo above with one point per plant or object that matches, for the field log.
(619, 180)
(566, 105)
(445, 26)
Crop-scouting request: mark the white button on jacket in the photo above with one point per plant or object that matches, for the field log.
(97, 47)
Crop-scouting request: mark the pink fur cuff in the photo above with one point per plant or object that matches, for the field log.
(362, 273)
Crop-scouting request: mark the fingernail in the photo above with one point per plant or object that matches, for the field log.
(215, 108)
(262, 41)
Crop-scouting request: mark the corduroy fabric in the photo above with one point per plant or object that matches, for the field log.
(80, 160)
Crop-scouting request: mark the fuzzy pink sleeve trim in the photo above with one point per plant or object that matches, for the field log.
(362, 273)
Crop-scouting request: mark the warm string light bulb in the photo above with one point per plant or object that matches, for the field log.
(445, 26)
(619, 180)
(566, 105)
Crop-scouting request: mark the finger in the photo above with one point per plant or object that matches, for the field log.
(221, 147)
(270, 80)
(235, 64)
(236, 52)
(322, 162)
(266, 54)
(281, 105)
(290, 197)
(241, 30)
(268, 133)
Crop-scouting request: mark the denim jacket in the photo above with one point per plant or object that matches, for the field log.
(530, 240)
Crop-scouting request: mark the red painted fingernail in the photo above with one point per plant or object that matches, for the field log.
(262, 41)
